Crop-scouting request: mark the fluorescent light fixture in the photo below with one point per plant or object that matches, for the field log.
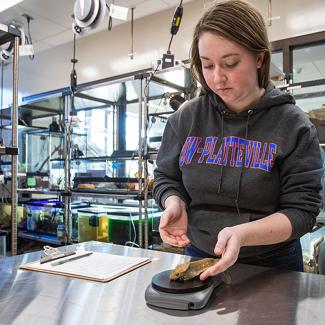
(5, 4)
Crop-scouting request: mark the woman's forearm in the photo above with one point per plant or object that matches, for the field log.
(272, 229)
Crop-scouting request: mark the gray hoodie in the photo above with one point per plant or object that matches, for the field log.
(232, 168)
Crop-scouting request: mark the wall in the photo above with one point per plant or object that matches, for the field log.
(105, 54)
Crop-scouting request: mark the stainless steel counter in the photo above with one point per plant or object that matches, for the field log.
(256, 296)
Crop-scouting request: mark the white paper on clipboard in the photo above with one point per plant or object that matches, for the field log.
(101, 267)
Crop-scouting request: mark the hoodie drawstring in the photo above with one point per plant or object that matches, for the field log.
(222, 131)
(250, 112)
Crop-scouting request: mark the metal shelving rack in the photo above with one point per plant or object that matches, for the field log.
(8, 34)
(142, 194)
(142, 153)
(143, 171)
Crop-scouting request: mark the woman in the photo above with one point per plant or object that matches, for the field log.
(239, 168)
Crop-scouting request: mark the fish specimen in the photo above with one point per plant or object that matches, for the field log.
(190, 270)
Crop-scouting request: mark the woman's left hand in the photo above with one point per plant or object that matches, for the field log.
(228, 247)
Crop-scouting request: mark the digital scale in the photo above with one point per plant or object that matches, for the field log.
(181, 295)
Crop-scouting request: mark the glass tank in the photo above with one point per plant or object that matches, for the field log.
(44, 152)
(105, 139)
(44, 146)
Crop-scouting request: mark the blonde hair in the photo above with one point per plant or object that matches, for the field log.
(240, 22)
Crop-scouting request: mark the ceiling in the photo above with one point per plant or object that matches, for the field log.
(52, 18)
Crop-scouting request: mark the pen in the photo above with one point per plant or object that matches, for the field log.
(71, 259)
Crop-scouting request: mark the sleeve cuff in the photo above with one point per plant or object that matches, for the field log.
(301, 221)
(170, 193)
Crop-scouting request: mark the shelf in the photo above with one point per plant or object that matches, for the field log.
(115, 193)
(9, 151)
(161, 113)
(7, 33)
(118, 155)
(45, 131)
(40, 237)
(152, 154)
(106, 179)
(118, 194)
(39, 191)
(23, 127)
(100, 158)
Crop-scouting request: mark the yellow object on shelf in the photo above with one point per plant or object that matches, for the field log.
(92, 225)
(5, 214)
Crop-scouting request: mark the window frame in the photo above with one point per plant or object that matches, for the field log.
(288, 45)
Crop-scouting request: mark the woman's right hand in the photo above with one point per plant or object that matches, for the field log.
(173, 222)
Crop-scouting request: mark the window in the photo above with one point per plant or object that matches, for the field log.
(308, 63)
(97, 124)
(277, 59)
(304, 66)
(310, 98)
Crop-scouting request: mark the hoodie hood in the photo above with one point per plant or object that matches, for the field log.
(272, 97)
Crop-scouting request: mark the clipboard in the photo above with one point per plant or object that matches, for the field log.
(100, 267)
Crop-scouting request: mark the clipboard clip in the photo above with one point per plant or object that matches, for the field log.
(52, 253)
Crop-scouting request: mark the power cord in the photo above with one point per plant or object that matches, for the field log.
(132, 243)
(168, 58)
(110, 20)
(73, 74)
